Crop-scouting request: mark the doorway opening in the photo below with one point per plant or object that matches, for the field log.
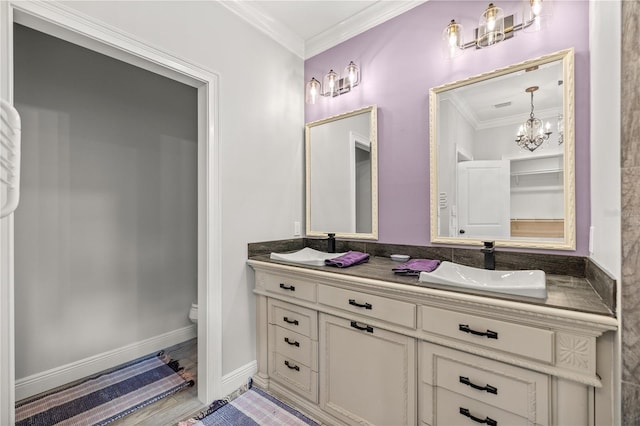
(53, 21)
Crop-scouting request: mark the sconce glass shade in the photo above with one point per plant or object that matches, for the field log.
(536, 14)
(490, 27)
(351, 75)
(330, 84)
(453, 40)
(312, 91)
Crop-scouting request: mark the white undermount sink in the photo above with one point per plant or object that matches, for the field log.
(306, 256)
(530, 283)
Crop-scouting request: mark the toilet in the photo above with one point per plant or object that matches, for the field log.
(193, 313)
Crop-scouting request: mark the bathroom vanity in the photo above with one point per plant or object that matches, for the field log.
(361, 345)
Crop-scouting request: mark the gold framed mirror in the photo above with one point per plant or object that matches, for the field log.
(342, 175)
(502, 156)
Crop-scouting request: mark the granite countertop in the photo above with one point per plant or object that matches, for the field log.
(563, 292)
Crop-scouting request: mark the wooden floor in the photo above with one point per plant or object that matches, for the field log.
(177, 407)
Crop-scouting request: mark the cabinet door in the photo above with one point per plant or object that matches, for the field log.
(368, 375)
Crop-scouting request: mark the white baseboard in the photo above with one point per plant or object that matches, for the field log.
(41, 382)
(238, 377)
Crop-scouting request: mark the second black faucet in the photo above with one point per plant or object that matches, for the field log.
(331, 243)
(489, 255)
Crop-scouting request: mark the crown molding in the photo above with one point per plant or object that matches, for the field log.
(267, 25)
(350, 27)
(374, 15)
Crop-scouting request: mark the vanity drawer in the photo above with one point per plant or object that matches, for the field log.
(456, 410)
(295, 376)
(382, 308)
(294, 346)
(531, 342)
(295, 318)
(296, 288)
(517, 390)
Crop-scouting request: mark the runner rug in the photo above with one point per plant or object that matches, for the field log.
(104, 398)
(252, 407)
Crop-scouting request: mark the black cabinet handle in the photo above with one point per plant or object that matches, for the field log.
(287, 287)
(292, 343)
(353, 302)
(488, 420)
(288, 321)
(366, 328)
(488, 388)
(490, 334)
(293, 367)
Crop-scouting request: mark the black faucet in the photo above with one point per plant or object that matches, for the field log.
(331, 243)
(489, 255)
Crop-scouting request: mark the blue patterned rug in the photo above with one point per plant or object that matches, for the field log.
(102, 399)
(253, 407)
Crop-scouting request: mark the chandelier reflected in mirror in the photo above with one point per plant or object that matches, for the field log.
(532, 133)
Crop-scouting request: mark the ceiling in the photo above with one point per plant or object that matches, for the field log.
(502, 100)
(309, 27)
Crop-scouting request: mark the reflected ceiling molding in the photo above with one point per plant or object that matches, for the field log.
(471, 116)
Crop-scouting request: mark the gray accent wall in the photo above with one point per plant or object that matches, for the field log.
(106, 230)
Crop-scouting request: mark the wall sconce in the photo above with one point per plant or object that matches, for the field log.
(332, 84)
(490, 27)
(494, 27)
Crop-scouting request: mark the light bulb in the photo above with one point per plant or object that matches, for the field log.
(536, 7)
(491, 23)
(453, 40)
(490, 14)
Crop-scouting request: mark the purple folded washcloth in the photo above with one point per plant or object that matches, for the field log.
(415, 266)
(350, 258)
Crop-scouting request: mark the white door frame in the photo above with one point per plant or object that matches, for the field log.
(63, 22)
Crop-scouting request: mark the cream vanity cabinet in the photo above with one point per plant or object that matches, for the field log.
(355, 351)
(368, 372)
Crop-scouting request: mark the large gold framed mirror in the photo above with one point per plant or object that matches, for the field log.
(502, 156)
(342, 175)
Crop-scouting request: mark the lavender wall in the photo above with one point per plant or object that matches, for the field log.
(400, 60)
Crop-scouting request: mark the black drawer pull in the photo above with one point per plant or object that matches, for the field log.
(488, 420)
(287, 287)
(293, 367)
(292, 343)
(288, 321)
(353, 302)
(490, 334)
(488, 388)
(366, 328)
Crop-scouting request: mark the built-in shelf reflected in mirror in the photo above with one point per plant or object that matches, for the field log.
(342, 175)
(502, 156)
